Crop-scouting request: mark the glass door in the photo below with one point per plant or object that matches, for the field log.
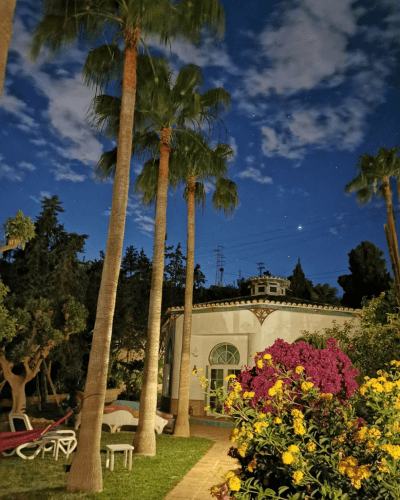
(217, 379)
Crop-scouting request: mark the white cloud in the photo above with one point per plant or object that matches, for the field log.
(9, 173)
(42, 195)
(26, 166)
(328, 127)
(68, 98)
(233, 144)
(308, 48)
(146, 224)
(39, 142)
(333, 230)
(208, 53)
(255, 174)
(65, 173)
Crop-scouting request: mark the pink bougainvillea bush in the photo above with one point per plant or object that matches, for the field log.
(329, 370)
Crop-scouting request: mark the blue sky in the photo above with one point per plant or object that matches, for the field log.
(314, 84)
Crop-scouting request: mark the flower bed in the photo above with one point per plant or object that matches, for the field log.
(304, 430)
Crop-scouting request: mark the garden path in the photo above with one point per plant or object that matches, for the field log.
(198, 481)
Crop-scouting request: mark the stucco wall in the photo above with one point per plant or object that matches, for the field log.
(247, 331)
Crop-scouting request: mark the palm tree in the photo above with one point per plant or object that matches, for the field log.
(201, 163)
(374, 179)
(7, 8)
(162, 108)
(130, 20)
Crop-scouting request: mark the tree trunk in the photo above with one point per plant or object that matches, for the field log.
(18, 394)
(391, 236)
(39, 402)
(18, 382)
(48, 375)
(7, 8)
(43, 385)
(86, 473)
(182, 428)
(144, 439)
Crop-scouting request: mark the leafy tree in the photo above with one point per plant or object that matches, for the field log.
(301, 287)
(374, 179)
(325, 294)
(44, 302)
(61, 24)
(369, 276)
(18, 232)
(371, 344)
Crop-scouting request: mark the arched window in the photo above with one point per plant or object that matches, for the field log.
(224, 354)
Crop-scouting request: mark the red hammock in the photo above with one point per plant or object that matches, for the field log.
(9, 440)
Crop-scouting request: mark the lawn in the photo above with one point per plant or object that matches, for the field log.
(151, 478)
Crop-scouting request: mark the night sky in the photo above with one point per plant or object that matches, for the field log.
(314, 84)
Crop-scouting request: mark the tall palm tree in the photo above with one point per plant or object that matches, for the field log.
(7, 8)
(374, 178)
(163, 108)
(201, 164)
(131, 20)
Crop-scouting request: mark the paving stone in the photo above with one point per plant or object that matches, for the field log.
(198, 481)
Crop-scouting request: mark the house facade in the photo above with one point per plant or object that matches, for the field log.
(226, 335)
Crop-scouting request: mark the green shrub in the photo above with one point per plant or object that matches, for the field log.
(313, 445)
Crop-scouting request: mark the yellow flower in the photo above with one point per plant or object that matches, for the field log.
(287, 458)
(259, 363)
(234, 483)
(262, 415)
(306, 386)
(229, 474)
(311, 446)
(271, 391)
(194, 372)
(297, 414)
(293, 448)
(248, 395)
(297, 476)
(250, 468)
(277, 420)
(267, 356)
(374, 433)
(326, 396)
(230, 376)
(299, 369)
(206, 408)
(393, 450)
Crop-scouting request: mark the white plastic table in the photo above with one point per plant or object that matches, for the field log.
(59, 440)
(119, 447)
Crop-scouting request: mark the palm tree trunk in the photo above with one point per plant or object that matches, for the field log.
(144, 440)
(182, 428)
(86, 473)
(391, 235)
(7, 8)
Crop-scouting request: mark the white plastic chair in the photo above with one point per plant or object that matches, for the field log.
(21, 422)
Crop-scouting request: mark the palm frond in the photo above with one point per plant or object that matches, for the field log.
(105, 114)
(105, 167)
(225, 196)
(102, 65)
(147, 181)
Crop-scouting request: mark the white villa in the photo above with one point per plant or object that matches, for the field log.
(271, 285)
(225, 336)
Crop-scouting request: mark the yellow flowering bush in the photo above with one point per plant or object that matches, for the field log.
(311, 445)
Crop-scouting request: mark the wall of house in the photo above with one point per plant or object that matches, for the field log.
(246, 332)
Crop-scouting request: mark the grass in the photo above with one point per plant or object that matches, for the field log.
(151, 478)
